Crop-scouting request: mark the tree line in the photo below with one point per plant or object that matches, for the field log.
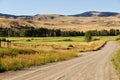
(37, 32)
(44, 32)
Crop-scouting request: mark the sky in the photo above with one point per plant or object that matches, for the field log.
(64, 7)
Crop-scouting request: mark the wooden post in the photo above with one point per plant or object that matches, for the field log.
(8, 43)
(44, 58)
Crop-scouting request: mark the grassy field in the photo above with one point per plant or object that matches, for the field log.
(53, 43)
(26, 52)
(56, 40)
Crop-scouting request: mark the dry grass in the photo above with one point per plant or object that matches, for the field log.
(116, 58)
(7, 23)
(81, 23)
(69, 23)
(45, 53)
(26, 60)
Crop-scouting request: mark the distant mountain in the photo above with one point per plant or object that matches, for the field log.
(34, 17)
(54, 16)
(96, 13)
(7, 15)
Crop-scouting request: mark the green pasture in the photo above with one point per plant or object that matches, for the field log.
(55, 40)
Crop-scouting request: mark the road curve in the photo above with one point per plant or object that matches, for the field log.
(91, 66)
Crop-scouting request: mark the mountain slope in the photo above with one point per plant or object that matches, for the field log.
(95, 13)
(7, 15)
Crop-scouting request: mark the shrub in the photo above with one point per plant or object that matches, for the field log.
(96, 39)
(70, 45)
(1, 67)
(28, 40)
(3, 39)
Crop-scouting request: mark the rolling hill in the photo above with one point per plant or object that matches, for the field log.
(90, 20)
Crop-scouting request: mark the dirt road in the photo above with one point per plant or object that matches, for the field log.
(91, 66)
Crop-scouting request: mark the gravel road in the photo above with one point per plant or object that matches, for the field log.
(91, 66)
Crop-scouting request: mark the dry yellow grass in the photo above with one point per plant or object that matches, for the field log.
(46, 54)
(69, 23)
(26, 60)
(7, 23)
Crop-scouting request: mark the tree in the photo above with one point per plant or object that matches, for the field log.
(88, 36)
(58, 32)
(0, 42)
(104, 33)
(112, 32)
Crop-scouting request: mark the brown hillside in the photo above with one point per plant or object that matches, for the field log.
(65, 22)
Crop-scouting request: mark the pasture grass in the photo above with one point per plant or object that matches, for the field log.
(55, 40)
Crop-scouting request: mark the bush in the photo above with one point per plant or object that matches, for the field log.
(96, 39)
(1, 68)
(28, 40)
(3, 39)
(70, 46)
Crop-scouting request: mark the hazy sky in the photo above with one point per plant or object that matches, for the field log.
(67, 7)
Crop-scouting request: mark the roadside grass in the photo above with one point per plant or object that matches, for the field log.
(27, 60)
(116, 59)
(93, 46)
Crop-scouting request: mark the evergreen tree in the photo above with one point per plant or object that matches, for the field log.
(88, 36)
(112, 32)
